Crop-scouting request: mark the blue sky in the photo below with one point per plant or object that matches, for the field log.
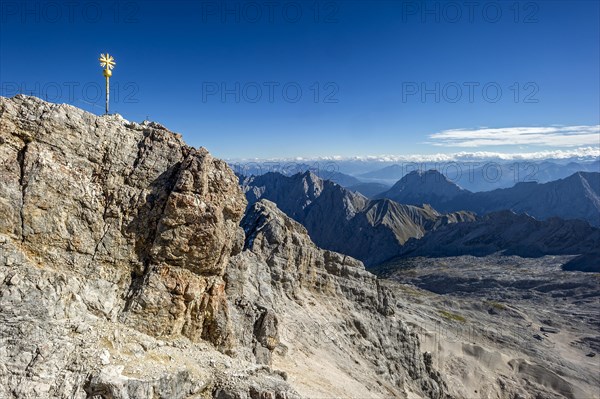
(361, 66)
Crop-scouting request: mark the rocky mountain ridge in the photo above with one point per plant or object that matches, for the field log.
(341, 220)
(331, 310)
(417, 186)
(479, 176)
(124, 273)
(513, 234)
(574, 197)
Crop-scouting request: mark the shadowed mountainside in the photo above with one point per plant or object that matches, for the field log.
(341, 220)
(513, 234)
(574, 197)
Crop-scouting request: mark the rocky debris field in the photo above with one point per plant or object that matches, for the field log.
(505, 326)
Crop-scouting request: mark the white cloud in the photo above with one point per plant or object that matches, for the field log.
(581, 153)
(577, 143)
(549, 136)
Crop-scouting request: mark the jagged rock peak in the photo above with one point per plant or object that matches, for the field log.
(340, 220)
(429, 181)
(114, 239)
(123, 275)
(318, 301)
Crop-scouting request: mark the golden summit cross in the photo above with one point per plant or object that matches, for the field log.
(108, 63)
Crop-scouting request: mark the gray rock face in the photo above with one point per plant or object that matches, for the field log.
(340, 220)
(124, 274)
(129, 203)
(114, 238)
(326, 303)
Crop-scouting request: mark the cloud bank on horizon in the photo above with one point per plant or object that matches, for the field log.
(568, 142)
(581, 142)
(547, 136)
(581, 153)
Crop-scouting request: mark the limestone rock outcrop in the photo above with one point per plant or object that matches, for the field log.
(114, 238)
(335, 324)
(127, 272)
(129, 203)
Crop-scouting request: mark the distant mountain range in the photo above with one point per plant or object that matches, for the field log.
(574, 197)
(344, 221)
(340, 178)
(488, 176)
(369, 190)
(428, 187)
(377, 230)
(472, 176)
(388, 173)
